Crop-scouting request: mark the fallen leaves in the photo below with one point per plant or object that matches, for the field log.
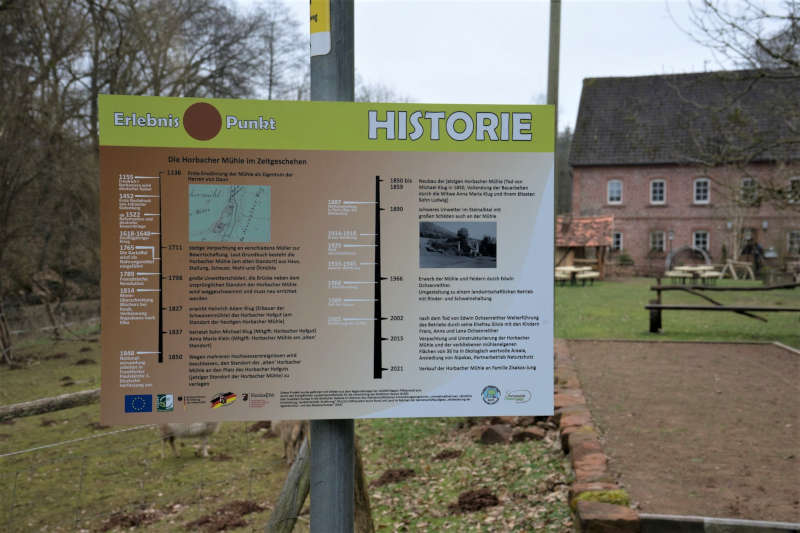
(527, 479)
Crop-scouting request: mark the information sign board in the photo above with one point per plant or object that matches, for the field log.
(306, 260)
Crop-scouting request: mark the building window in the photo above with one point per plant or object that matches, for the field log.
(700, 240)
(747, 236)
(794, 189)
(615, 192)
(658, 192)
(749, 191)
(702, 190)
(793, 244)
(657, 243)
(616, 244)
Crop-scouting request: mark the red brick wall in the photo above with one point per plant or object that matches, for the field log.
(636, 217)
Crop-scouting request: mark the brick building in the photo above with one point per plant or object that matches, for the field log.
(691, 160)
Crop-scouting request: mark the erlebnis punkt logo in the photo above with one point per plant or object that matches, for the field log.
(490, 394)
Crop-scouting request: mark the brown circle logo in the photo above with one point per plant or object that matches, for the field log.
(202, 121)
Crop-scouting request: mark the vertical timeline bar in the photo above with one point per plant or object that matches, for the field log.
(377, 372)
(160, 273)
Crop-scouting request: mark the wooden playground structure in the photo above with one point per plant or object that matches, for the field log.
(655, 307)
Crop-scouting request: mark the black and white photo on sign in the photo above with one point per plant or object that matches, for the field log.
(457, 244)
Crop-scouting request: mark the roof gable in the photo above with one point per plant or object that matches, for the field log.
(576, 232)
(688, 118)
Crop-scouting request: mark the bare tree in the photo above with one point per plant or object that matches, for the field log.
(58, 56)
(367, 91)
(756, 116)
(749, 33)
(283, 52)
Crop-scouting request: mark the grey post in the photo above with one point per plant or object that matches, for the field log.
(332, 441)
(552, 87)
(552, 64)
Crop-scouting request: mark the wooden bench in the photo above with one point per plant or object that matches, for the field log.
(677, 275)
(655, 307)
(710, 276)
(590, 275)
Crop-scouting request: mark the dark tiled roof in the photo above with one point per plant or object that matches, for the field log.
(707, 118)
(583, 231)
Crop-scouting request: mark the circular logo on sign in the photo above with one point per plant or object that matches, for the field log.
(202, 121)
(490, 394)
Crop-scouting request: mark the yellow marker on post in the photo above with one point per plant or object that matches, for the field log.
(320, 27)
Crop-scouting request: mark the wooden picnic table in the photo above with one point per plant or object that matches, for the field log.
(703, 272)
(572, 268)
(573, 272)
(694, 268)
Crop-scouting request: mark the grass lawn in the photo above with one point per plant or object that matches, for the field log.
(97, 475)
(49, 368)
(615, 310)
(81, 484)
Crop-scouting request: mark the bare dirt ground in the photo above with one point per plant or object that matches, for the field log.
(696, 428)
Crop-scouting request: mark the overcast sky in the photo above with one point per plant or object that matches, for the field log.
(496, 52)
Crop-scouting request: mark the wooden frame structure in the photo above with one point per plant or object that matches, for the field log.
(655, 307)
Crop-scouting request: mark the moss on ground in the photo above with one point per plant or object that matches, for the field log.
(615, 496)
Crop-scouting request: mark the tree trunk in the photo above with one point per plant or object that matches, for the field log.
(363, 514)
(5, 338)
(54, 323)
(46, 405)
(294, 493)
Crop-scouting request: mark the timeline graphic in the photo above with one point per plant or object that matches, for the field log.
(339, 207)
(377, 364)
(160, 273)
(140, 244)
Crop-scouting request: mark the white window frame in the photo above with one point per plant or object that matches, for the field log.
(616, 238)
(696, 234)
(792, 198)
(707, 183)
(663, 192)
(790, 250)
(608, 192)
(663, 247)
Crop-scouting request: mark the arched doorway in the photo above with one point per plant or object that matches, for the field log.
(690, 249)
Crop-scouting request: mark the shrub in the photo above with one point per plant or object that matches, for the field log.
(624, 259)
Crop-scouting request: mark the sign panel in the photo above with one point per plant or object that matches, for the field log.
(304, 260)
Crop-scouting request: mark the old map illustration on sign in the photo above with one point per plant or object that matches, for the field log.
(229, 213)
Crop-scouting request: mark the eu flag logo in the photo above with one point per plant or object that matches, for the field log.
(138, 403)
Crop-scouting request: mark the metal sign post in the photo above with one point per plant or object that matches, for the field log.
(332, 441)
(552, 88)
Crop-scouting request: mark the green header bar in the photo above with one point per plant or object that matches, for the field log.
(342, 126)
